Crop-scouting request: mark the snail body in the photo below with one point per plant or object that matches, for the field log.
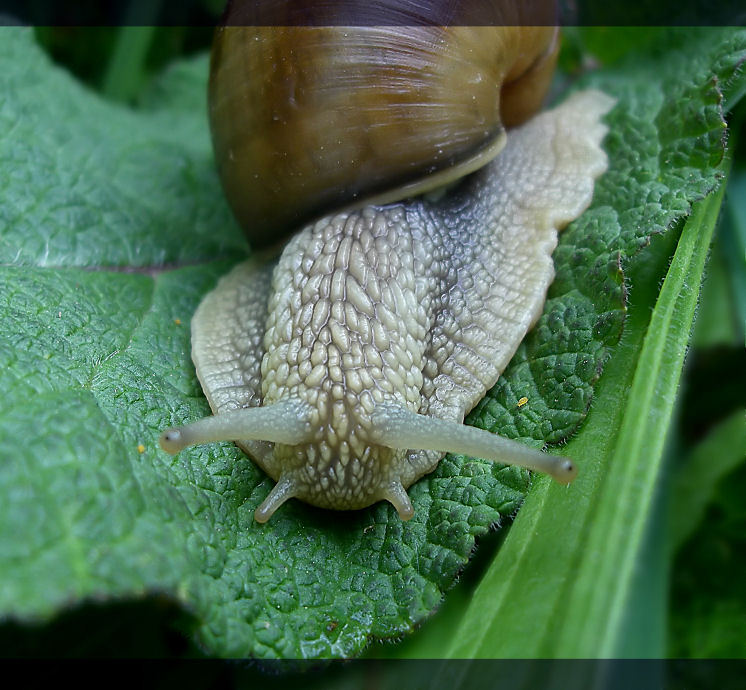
(345, 367)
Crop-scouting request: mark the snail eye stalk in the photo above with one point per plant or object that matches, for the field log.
(283, 422)
(397, 427)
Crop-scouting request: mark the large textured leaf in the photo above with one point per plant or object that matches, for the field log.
(94, 362)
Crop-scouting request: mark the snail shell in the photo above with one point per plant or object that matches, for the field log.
(306, 120)
(345, 367)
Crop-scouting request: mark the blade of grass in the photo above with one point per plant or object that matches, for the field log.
(598, 603)
(569, 601)
(125, 72)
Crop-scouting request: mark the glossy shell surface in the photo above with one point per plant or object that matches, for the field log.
(306, 120)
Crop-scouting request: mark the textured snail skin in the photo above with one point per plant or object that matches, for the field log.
(309, 119)
(377, 330)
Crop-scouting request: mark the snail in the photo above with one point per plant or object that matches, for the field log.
(345, 366)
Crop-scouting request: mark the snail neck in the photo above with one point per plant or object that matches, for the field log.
(348, 320)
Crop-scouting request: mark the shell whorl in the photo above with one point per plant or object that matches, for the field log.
(306, 120)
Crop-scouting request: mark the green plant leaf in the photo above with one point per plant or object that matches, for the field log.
(91, 183)
(99, 199)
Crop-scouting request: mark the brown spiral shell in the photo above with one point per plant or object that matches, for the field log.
(310, 119)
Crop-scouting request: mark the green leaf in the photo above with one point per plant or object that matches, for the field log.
(95, 362)
(603, 578)
(90, 183)
(126, 67)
